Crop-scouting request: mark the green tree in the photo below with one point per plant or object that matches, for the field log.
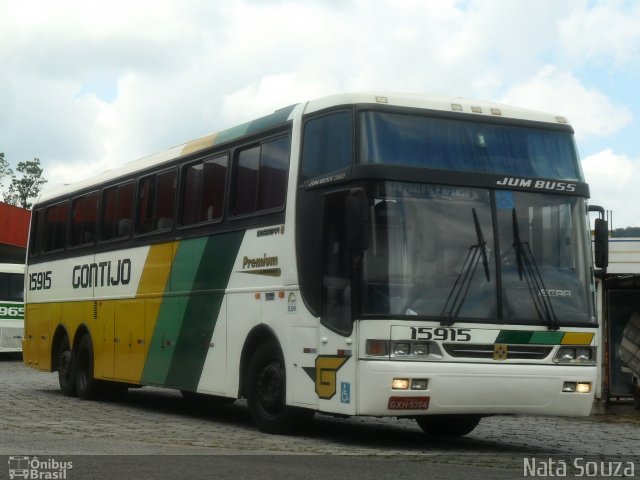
(5, 169)
(27, 185)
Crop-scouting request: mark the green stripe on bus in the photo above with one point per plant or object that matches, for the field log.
(172, 311)
(203, 310)
(513, 336)
(258, 125)
(546, 338)
(180, 342)
(521, 337)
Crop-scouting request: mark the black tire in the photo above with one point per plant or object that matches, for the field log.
(66, 371)
(266, 393)
(204, 399)
(448, 425)
(85, 383)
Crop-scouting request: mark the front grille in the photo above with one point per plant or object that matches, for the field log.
(11, 338)
(514, 352)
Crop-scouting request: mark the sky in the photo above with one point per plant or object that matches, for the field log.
(88, 86)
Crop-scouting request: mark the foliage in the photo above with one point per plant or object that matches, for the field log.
(5, 168)
(26, 183)
(626, 232)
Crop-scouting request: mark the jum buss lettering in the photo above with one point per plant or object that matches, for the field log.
(103, 274)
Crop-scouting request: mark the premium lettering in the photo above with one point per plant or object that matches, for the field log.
(259, 262)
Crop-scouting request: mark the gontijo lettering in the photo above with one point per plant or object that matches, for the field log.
(103, 274)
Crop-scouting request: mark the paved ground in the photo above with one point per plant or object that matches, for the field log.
(38, 420)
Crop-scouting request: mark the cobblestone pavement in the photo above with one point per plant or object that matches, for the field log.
(37, 417)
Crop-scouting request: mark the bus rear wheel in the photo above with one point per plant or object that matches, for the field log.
(66, 375)
(266, 393)
(448, 425)
(85, 383)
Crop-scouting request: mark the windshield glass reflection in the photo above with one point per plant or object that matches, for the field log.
(421, 237)
(433, 254)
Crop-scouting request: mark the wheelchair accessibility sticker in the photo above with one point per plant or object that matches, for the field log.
(345, 392)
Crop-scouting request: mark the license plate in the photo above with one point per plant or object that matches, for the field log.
(408, 403)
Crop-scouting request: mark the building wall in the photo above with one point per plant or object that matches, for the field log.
(14, 231)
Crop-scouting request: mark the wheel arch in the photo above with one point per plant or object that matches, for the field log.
(259, 335)
(81, 331)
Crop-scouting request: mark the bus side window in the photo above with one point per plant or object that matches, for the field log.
(84, 211)
(327, 145)
(336, 266)
(261, 176)
(117, 211)
(36, 231)
(55, 233)
(203, 186)
(156, 199)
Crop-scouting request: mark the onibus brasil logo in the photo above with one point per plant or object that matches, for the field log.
(35, 468)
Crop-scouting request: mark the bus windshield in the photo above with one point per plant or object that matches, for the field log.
(434, 253)
(458, 145)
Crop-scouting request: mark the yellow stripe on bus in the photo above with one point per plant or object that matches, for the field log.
(199, 144)
(577, 338)
(156, 269)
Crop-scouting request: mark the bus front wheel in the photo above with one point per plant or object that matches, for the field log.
(266, 393)
(448, 425)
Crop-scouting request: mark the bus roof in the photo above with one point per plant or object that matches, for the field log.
(283, 115)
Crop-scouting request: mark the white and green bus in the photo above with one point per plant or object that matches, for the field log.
(385, 255)
(11, 307)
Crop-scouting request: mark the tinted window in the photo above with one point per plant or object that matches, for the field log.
(84, 212)
(419, 141)
(327, 145)
(156, 194)
(246, 181)
(12, 287)
(56, 218)
(34, 235)
(117, 211)
(272, 179)
(261, 176)
(203, 190)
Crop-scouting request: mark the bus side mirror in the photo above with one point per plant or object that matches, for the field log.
(601, 243)
(600, 239)
(357, 220)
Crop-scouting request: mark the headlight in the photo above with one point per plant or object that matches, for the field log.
(420, 349)
(401, 348)
(576, 387)
(575, 356)
(400, 384)
(584, 354)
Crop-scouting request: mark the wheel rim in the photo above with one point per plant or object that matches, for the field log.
(270, 388)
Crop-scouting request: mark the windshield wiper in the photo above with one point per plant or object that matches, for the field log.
(528, 268)
(460, 288)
